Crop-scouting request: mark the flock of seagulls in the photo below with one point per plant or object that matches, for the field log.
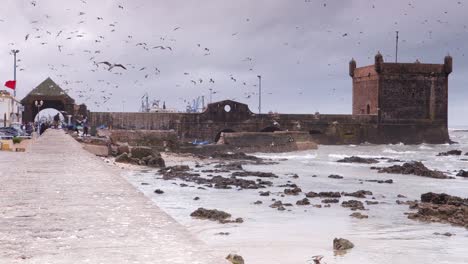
(109, 32)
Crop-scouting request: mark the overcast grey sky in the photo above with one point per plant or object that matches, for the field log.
(301, 48)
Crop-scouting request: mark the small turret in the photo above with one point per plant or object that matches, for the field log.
(352, 67)
(448, 64)
(378, 62)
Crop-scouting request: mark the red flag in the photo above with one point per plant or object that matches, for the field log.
(11, 84)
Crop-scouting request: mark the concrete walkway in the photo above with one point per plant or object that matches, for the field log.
(60, 204)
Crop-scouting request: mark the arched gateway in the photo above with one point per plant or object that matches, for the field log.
(54, 97)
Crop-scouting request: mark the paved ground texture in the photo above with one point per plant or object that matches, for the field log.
(60, 204)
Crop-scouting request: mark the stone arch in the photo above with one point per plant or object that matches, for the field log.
(226, 130)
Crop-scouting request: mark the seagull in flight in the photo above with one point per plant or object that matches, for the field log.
(111, 66)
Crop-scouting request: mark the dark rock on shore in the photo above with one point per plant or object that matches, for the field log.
(454, 152)
(333, 176)
(230, 166)
(414, 168)
(358, 194)
(323, 195)
(278, 205)
(214, 215)
(372, 202)
(441, 208)
(342, 244)
(462, 173)
(294, 191)
(356, 159)
(254, 174)
(304, 201)
(235, 259)
(158, 191)
(328, 201)
(390, 181)
(359, 215)
(353, 205)
(267, 193)
(234, 156)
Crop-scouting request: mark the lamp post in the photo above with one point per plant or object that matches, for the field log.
(14, 52)
(38, 104)
(259, 94)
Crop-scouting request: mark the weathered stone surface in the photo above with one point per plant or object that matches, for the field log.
(124, 158)
(323, 194)
(254, 174)
(356, 159)
(157, 139)
(213, 215)
(156, 162)
(353, 205)
(123, 148)
(142, 152)
(293, 191)
(328, 201)
(359, 215)
(358, 194)
(342, 244)
(304, 201)
(462, 173)
(442, 208)
(414, 168)
(454, 152)
(235, 259)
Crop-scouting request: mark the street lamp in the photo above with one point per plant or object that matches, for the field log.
(259, 94)
(38, 104)
(14, 52)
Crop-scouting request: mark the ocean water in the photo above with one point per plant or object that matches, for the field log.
(292, 237)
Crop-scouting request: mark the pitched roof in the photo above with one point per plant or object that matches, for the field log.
(48, 88)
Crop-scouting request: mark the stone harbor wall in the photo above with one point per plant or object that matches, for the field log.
(268, 142)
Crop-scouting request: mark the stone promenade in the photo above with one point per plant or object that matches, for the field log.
(60, 204)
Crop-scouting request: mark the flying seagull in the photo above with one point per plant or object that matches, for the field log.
(111, 66)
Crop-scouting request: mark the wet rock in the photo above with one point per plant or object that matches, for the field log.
(372, 202)
(401, 196)
(358, 194)
(156, 162)
(278, 205)
(462, 173)
(317, 206)
(145, 183)
(454, 152)
(223, 234)
(295, 176)
(230, 166)
(342, 244)
(124, 158)
(359, 215)
(334, 176)
(355, 159)
(353, 205)
(288, 185)
(329, 201)
(390, 181)
(234, 156)
(196, 198)
(294, 191)
(235, 259)
(158, 191)
(258, 202)
(254, 174)
(267, 193)
(441, 208)
(414, 168)
(142, 152)
(213, 215)
(447, 234)
(304, 201)
(323, 195)
(121, 149)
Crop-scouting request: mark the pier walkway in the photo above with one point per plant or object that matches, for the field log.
(60, 204)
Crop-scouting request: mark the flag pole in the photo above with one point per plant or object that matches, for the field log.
(14, 70)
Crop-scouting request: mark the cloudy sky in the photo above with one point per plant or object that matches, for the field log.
(300, 47)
